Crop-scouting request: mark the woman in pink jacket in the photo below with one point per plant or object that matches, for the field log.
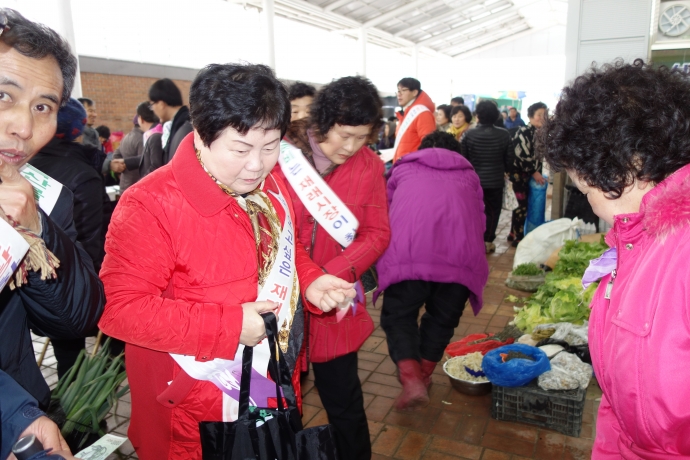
(622, 133)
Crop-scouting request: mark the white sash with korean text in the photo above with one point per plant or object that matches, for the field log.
(388, 154)
(226, 374)
(319, 199)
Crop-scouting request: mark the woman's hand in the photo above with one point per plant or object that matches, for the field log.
(328, 292)
(538, 178)
(253, 327)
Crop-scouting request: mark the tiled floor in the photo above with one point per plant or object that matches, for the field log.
(453, 426)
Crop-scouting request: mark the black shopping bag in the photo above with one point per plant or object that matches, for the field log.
(264, 433)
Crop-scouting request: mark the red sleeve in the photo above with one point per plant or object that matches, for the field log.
(135, 276)
(425, 124)
(374, 230)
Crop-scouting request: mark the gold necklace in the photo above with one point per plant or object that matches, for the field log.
(222, 186)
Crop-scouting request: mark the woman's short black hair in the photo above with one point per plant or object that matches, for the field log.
(240, 96)
(348, 101)
(534, 107)
(37, 41)
(458, 100)
(465, 111)
(167, 91)
(103, 131)
(298, 90)
(440, 140)
(146, 113)
(410, 83)
(445, 108)
(619, 123)
(487, 112)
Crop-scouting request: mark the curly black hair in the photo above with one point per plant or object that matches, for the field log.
(299, 90)
(238, 96)
(348, 101)
(487, 112)
(440, 140)
(620, 123)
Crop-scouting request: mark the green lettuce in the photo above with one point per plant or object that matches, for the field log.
(561, 298)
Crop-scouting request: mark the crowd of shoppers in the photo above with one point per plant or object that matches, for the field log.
(211, 218)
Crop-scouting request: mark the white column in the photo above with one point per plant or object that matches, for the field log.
(269, 13)
(415, 60)
(363, 47)
(65, 27)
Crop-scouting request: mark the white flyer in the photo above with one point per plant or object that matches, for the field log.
(46, 189)
(101, 448)
(13, 247)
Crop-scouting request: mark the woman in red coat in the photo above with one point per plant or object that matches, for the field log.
(343, 117)
(196, 251)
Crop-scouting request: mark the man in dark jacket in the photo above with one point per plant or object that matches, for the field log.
(70, 163)
(37, 72)
(166, 103)
(488, 150)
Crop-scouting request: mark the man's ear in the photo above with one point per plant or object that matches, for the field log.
(416, 93)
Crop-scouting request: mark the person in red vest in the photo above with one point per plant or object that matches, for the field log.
(416, 117)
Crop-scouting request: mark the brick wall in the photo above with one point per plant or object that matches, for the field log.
(117, 97)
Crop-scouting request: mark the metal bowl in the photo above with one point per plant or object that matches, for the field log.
(467, 387)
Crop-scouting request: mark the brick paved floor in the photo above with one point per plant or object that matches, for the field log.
(453, 426)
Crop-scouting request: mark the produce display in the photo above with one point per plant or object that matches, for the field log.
(527, 270)
(458, 367)
(561, 298)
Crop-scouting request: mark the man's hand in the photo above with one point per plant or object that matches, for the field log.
(17, 198)
(538, 178)
(48, 433)
(328, 292)
(117, 165)
(253, 326)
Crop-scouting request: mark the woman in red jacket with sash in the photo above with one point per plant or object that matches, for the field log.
(196, 251)
(344, 116)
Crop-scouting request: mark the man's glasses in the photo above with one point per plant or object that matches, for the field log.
(400, 91)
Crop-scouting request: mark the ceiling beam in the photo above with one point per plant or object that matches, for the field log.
(512, 11)
(396, 12)
(493, 44)
(336, 4)
(440, 18)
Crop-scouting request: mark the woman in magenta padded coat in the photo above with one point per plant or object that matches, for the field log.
(622, 133)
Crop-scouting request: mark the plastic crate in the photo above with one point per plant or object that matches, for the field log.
(557, 410)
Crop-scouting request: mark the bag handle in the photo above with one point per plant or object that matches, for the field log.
(277, 369)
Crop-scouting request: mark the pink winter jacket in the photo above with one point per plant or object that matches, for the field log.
(640, 338)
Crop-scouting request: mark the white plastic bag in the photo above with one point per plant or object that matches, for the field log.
(568, 372)
(541, 242)
(510, 202)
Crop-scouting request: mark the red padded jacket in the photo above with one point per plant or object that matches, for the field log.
(360, 184)
(180, 262)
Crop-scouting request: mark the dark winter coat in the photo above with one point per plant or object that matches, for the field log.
(65, 308)
(181, 126)
(69, 164)
(488, 150)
